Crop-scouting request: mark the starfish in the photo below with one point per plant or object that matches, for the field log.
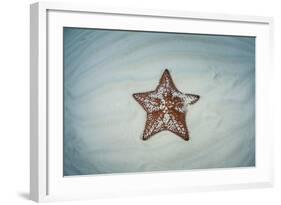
(166, 107)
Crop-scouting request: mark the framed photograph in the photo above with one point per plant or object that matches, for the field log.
(128, 102)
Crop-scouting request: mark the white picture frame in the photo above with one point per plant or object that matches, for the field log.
(46, 180)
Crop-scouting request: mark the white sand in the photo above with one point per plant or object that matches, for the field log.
(104, 124)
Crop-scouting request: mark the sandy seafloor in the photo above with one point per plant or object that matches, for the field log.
(103, 124)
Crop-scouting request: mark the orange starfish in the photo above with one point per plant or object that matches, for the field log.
(166, 108)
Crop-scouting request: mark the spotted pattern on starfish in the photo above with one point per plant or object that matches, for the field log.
(166, 107)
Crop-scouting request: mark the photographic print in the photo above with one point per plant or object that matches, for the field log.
(142, 101)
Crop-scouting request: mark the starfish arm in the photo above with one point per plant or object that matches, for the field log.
(147, 101)
(177, 125)
(191, 98)
(166, 82)
(153, 125)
